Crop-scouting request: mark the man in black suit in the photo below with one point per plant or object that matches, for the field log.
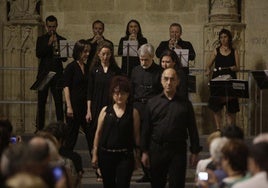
(47, 50)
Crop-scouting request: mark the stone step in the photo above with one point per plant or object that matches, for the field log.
(89, 180)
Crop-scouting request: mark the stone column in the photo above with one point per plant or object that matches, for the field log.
(20, 33)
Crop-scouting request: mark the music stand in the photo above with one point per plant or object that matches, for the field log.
(261, 77)
(183, 55)
(66, 48)
(130, 49)
(42, 82)
(229, 88)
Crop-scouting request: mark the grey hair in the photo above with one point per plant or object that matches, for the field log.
(216, 147)
(146, 49)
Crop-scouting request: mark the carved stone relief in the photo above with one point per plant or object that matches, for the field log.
(23, 10)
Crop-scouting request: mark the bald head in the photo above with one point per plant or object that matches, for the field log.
(169, 81)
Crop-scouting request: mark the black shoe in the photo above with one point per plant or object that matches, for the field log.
(143, 179)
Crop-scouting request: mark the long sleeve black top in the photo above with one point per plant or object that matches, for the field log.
(164, 45)
(146, 83)
(170, 121)
(48, 62)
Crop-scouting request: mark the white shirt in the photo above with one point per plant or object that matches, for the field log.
(259, 180)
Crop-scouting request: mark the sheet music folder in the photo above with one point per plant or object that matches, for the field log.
(41, 83)
(229, 88)
(261, 77)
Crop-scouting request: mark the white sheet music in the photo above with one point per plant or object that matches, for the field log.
(266, 72)
(183, 55)
(66, 48)
(130, 48)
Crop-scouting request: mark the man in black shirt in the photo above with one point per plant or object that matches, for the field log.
(98, 30)
(175, 42)
(47, 50)
(145, 80)
(168, 122)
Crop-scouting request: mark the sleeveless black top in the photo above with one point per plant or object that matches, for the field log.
(117, 132)
(224, 61)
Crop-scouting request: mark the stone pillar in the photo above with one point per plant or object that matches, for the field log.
(20, 33)
(226, 10)
(225, 14)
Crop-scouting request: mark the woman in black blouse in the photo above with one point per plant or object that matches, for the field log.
(102, 70)
(75, 91)
(226, 63)
(117, 134)
(133, 33)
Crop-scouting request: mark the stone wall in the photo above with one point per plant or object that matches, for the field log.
(75, 19)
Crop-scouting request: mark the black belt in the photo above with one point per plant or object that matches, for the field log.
(124, 150)
(141, 100)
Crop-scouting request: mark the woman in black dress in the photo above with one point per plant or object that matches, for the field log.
(226, 60)
(117, 134)
(102, 70)
(75, 91)
(134, 33)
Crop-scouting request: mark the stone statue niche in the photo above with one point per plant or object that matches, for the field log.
(23, 10)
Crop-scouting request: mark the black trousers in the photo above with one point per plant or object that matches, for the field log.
(116, 168)
(42, 100)
(74, 124)
(167, 163)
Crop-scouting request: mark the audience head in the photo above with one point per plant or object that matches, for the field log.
(14, 159)
(175, 31)
(120, 85)
(81, 50)
(169, 59)
(58, 130)
(25, 180)
(133, 26)
(215, 148)
(234, 156)
(212, 136)
(223, 34)
(233, 132)
(51, 24)
(263, 137)
(98, 27)
(39, 150)
(5, 134)
(146, 55)
(258, 155)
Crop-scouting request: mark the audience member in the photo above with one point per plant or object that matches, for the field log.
(98, 30)
(75, 91)
(47, 50)
(5, 134)
(233, 162)
(257, 166)
(25, 180)
(133, 33)
(226, 63)
(117, 134)
(202, 164)
(103, 69)
(232, 132)
(164, 140)
(72, 160)
(145, 80)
